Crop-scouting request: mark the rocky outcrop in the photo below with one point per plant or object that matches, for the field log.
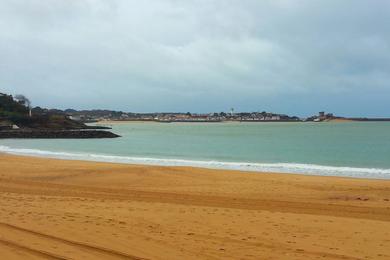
(46, 134)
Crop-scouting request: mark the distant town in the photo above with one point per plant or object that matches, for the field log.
(90, 116)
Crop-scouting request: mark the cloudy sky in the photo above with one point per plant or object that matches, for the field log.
(288, 56)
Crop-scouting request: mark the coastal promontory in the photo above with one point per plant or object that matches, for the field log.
(18, 120)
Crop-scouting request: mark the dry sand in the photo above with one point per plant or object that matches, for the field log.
(83, 210)
(341, 120)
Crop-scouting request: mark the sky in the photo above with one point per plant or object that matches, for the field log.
(288, 56)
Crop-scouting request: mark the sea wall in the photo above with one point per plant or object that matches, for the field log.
(74, 134)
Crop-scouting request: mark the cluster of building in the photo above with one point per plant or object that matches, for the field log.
(110, 115)
(322, 116)
(98, 115)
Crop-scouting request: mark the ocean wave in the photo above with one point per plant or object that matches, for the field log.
(309, 169)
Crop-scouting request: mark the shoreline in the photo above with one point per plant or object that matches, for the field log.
(335, 120)
(78, 209)
(195, 168)
(254, 168)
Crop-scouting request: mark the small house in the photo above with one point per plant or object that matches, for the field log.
(6, 125)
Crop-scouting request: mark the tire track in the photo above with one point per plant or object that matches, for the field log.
(33, 251)
(99, 249)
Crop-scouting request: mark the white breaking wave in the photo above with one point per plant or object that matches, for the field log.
(309, 169)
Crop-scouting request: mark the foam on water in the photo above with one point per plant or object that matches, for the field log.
(309, 169)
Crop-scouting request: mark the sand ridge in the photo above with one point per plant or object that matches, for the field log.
(84, 210)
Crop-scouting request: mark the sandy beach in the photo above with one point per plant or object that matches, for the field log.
(60, 209)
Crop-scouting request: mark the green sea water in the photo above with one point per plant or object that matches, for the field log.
(358, 149)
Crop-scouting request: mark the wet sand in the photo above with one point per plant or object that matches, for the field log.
(60, 209)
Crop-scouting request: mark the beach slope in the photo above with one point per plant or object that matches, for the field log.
(84, 210)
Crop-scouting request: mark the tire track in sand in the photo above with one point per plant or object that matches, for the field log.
(81, 245)
(32, 251)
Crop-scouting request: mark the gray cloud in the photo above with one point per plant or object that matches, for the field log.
(198, 55)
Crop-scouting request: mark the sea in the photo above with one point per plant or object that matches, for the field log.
(348, 149)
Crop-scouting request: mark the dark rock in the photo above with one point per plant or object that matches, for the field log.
(97, 127)
(45, 134)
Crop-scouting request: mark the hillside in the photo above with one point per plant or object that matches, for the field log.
(17, 112)
(11, 108)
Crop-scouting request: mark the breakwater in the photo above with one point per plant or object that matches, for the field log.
(46, 134)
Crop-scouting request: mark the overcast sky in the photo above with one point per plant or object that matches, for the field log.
(295, 57)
